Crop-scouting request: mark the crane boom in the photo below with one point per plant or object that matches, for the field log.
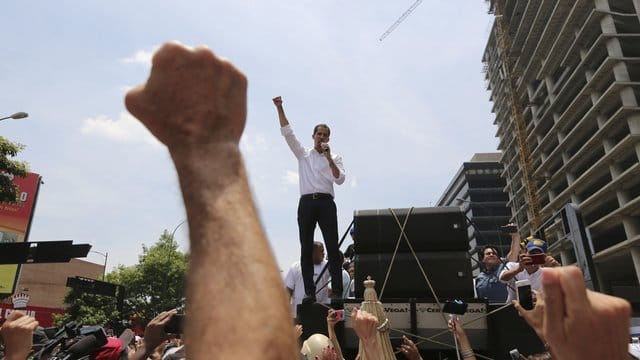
(400, 19)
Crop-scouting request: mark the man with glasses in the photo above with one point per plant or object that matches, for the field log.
(487, 283)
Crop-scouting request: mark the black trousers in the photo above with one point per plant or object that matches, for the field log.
(321, 210)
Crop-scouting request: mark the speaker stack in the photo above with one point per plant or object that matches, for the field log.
(438, 236)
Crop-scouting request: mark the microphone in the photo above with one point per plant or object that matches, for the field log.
(83, 347)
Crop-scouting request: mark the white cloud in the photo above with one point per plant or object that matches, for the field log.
(125, 88)
(254, 143)
(291, 178)
(354, 182)
(140, 57)
(125, 129)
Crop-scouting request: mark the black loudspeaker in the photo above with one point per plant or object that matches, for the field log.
(508, 331)
(449, 273)
(313, 318)
(428, 229)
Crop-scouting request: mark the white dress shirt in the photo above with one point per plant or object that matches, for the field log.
(313, 168)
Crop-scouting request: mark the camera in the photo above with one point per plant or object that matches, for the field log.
(457, 307)
(338, 315)
(71, 342)
(508, 229)
(525, 297)
(538, 259)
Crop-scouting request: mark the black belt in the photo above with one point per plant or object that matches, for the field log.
(316, 196)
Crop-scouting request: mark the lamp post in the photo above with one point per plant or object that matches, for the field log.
(18, 115)
(106, 256)
(176, 228)
(166, 278)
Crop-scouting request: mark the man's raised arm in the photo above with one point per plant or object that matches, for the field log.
(195, 103)
(281, 116)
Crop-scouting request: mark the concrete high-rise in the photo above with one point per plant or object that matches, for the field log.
(478, 188)
(575, 71)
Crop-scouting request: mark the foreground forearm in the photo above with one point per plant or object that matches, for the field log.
(334, 341)
(370, 349)
(224, 227)
(465, 347)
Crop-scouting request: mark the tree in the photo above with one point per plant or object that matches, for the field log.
(87, 309)
(155, 284)
(10, 168)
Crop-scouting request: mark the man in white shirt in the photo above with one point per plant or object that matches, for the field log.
(526, 268)
(318, 170)
(295, 285)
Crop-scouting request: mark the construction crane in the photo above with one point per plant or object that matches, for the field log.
(400, 19)
(524, 152)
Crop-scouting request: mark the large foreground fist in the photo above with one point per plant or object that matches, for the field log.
(17, 334)
(192, 97)
(582, 324)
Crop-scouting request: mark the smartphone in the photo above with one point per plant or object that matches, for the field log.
(457, 307)
(396, 342)
(338, 315)
(538, 259)
(508, 229)
(175, 324)
(525, 296)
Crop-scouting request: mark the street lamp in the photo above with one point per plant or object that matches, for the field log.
(106, 256)
(169, 253)
(176, 229)
(18, 115)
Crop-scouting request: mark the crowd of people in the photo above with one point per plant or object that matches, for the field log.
(195, 103)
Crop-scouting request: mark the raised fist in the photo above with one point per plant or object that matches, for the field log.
(192, 97)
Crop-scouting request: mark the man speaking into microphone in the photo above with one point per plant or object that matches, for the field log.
(318, 169)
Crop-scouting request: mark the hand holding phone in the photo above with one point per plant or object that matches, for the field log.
(457, 307)
(509, 229)
(538, 259)
(525, 296)
(338, 315)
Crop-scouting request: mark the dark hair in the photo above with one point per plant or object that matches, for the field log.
(350, 251)
(492, 247)
(315, 128)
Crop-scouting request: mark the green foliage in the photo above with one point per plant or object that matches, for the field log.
(89, 309)
(9, 191)
(153, 285)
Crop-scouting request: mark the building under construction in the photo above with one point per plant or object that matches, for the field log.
(564, 78)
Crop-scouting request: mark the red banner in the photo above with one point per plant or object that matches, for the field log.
(41, 314)
(15, 220)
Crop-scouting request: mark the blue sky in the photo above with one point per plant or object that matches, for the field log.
(404, 112)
